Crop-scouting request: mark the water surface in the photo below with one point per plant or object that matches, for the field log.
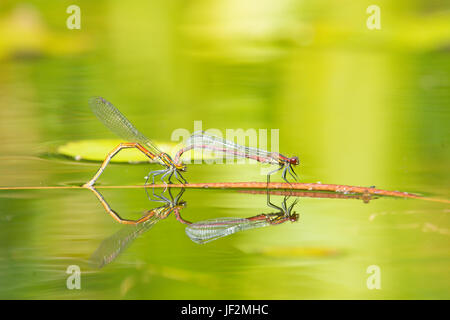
(357, 107)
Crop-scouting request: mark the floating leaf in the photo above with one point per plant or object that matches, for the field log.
(96, 150)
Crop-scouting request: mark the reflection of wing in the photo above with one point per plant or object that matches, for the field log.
(115, 121)
(111, 247)
(213, 229)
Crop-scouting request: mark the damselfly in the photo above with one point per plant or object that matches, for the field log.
(170, 205)
(202, 140)
(111, 247)
(213, 229)
(114, 120)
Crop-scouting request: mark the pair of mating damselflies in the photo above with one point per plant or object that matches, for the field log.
(114, 120)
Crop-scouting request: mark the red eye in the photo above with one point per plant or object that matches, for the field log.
(294, 160)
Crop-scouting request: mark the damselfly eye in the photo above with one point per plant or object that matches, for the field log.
(294, 160)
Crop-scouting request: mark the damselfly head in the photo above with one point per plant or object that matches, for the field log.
(294, 217)
(179, 205)
(294, 160)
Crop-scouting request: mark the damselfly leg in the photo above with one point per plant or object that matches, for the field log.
(161, 199)
(284, 211)
(168, 200)
(164, 172)
(272, 172)
(173, 204)
(179, 177)
(147, 215)
(287, 168)
(154, 174)
(292, 172)
(270, 204)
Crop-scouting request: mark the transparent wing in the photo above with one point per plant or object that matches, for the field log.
(111, 247)
(213, 229)
(201, 139)
(115, 121)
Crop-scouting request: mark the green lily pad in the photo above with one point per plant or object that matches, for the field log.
(98, 149)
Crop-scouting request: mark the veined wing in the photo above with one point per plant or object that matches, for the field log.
(213, 229)
(201, 139)
(111, 247)
(115, 121)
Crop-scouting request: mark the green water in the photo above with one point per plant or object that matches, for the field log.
(359, 107)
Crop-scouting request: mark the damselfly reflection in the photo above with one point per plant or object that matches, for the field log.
(171, 205)
(213, 229)
(111, 247)
(200, 232)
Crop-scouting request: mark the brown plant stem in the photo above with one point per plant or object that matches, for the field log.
(344, 189)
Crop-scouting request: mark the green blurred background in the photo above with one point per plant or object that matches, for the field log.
(358, 106)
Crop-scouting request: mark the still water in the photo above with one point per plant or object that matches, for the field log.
(356, 110)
